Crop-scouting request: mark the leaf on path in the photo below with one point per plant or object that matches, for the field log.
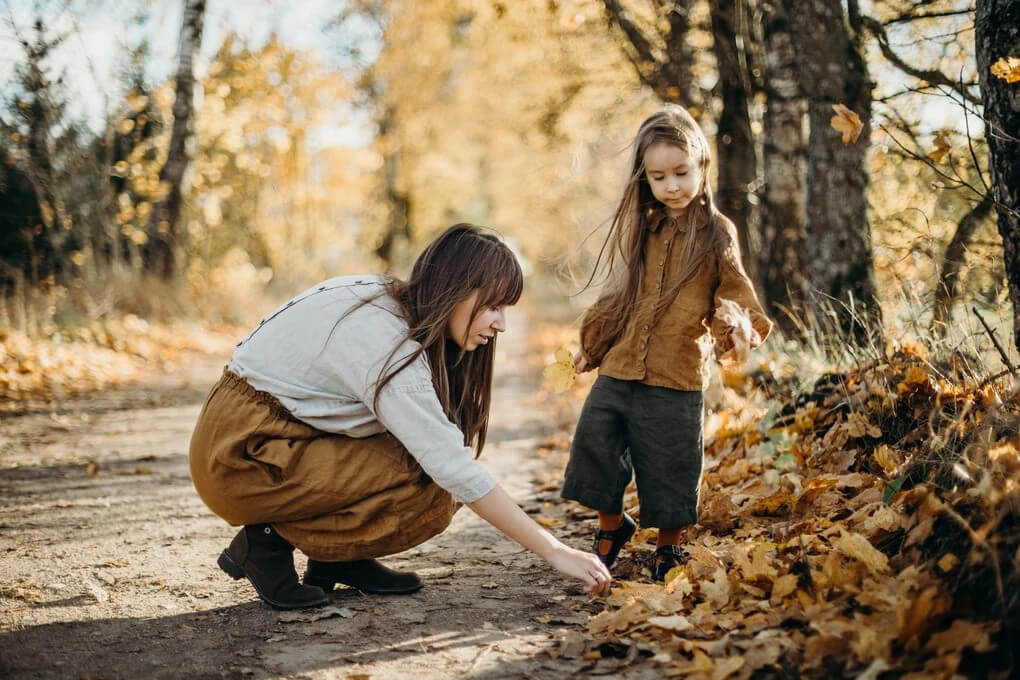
(561, 373)
(964, 635)
(919, 614)
(948, 562)
(675, 623)
(856, 546)
(783, 586)
(316, 615)
(627, 616)
(717, 591)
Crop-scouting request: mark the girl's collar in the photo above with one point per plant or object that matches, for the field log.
(657, 216)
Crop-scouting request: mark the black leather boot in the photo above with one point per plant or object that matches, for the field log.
(267, 560)
(368, 576)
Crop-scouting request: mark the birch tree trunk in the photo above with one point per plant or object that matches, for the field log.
(836, 255)
(997, 36)
(159, 254)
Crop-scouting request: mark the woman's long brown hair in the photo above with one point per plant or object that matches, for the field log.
(620, 259)
(462, 259)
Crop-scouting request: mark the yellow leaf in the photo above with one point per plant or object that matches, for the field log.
(963, 635)
(744, 337)
(948, 561)
(941, 150)
(887, 457)
(561, 373)
(548, 522)
(1007, 68)
(856, 546)
(847, 122)
(676, 623)
(916, 375)
(717, 591)
(783, 586)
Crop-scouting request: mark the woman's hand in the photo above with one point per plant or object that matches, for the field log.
(584, 566)
(499, 510)
(581, 364)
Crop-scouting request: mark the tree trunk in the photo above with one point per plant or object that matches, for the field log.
(735, 150)
(948, 284)
(783, 204)
(996, 36)
(398, 205)
(837, 258)
(161, 231)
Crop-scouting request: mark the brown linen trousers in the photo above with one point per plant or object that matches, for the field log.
(335, 498)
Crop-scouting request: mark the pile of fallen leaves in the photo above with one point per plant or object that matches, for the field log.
(868, 526)
(99, 354)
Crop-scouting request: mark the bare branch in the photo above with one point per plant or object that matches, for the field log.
(637, 39)
(903, 18)
(932, 76)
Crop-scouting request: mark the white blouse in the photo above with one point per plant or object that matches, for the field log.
(324, 371)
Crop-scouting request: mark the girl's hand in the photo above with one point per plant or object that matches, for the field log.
(583, 566)
(581, 364)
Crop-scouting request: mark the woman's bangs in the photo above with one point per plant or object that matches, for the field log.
(507, 286)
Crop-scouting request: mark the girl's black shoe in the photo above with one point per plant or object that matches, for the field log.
(667, 557)
(619, 538)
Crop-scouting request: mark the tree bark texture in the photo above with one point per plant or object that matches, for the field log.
(997, 35)
(783, 197)
(735, 150)
(837, 254)
(948, 285)
(159, 254)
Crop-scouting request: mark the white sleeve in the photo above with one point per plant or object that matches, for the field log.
(414, 415)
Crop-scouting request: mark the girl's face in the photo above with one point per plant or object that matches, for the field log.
(674, 177)
(470, 333)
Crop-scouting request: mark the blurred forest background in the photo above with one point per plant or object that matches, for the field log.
(257, 166)
(170, 169)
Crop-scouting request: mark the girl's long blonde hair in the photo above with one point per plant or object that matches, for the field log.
(620, 260)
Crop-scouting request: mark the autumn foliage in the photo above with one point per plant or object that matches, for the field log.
(866, 525)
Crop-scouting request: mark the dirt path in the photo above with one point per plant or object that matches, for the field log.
(108, 559)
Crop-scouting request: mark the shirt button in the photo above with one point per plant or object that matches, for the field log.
(660, 262)
(657, 285)
(666, 242)
(645, 327)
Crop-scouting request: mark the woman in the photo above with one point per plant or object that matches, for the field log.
(344, 426)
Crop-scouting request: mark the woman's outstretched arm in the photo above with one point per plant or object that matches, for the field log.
(499, 510)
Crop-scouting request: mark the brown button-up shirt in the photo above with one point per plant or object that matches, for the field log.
(675, 350)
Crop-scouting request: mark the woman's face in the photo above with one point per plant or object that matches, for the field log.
(674, 177)
(470, 333)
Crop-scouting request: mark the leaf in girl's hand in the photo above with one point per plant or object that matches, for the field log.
(847, 122)
(562, 372)
(734, 316)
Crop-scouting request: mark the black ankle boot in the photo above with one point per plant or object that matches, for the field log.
(368, 576)
(267, 560)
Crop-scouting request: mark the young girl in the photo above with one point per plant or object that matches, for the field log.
(673, 262)
(343, 426)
